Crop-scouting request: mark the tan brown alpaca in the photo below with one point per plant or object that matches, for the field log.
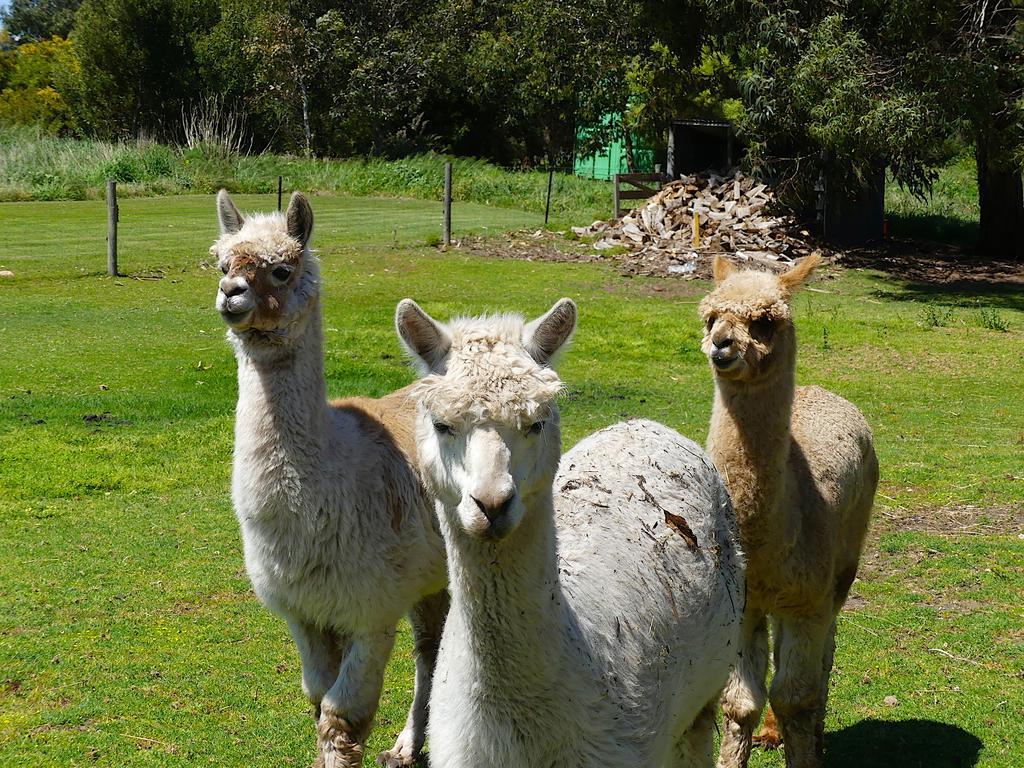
(801, 468)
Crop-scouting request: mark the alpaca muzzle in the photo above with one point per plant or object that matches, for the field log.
(723, 355)
(234, 300)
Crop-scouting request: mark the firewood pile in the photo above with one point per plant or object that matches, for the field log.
(678, 229)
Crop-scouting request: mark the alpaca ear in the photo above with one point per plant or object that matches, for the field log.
(425, 339)
(721, 268)
(546, 335)
(300, 218)
(231, 220)
(796, 276)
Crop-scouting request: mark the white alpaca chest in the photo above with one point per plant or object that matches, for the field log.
(313, 542)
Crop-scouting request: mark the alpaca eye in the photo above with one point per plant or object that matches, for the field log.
(224, 267)
(762, 328)
(711, 322)
(282, 272)
(443, 429)
(536, 427)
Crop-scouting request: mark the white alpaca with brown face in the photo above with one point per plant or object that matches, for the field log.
(801, 469)
(595, 613)
(340, 536)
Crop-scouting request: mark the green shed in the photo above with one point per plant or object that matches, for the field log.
(610, 159)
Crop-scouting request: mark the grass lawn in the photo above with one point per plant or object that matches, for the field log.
(129, 635)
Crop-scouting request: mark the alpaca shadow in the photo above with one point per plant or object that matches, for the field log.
(902, 744)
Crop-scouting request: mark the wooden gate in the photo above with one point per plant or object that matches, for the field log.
(643, 185)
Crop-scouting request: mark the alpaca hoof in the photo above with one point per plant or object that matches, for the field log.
(769, 737)
(394, 759)
(403, 754)
(338, 746)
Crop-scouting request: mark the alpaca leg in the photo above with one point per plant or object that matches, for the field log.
(348, 708)
(797, 689)
(427, 619)
(826, 674)
(695, 747)
(321, 652)
(769, 737)
(744, 694)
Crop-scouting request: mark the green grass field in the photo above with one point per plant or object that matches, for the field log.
(129, 635)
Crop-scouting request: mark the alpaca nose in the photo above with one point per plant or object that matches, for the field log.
(233, 286)
(721, 348)
(493, 508)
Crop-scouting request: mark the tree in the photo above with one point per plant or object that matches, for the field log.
(35, 80)
(990, 41)
(138, 64)
(39, 19)
(827, 89)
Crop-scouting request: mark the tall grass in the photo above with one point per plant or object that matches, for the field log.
(949, 214)
(34, 166)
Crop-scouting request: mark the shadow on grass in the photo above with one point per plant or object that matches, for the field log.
(938, 273)
(961, 293)
(902, 744)
(940, 229)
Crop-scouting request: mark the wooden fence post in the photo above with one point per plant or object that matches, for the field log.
(547, 202)
(642, 188)
(111, 227)
(448, 203)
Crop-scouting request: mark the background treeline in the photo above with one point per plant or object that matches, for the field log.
(842, 87)
(508, 81)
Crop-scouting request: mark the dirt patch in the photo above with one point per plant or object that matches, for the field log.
(541, 245)
(955, 520)
(526, 245)
(948, 268)
(936, 264)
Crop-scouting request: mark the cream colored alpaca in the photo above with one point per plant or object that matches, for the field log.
(801, 468)
(595, 613)
(340, 536)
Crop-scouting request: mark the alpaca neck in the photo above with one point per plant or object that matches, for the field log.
(750, 442)
(282, 396)
(508, 601)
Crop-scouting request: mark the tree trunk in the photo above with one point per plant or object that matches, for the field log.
(1001, 200)
(306, 129)
(627, 143)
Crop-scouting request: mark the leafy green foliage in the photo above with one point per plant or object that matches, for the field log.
(36, 78)
(138, 64)
(39, 19)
